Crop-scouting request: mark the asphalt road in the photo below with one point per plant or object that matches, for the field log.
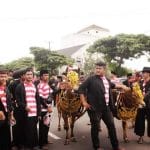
(82, 134)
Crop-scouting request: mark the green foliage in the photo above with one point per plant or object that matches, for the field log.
(120, 47)
(90, 66)
(120, 71)
(50, 60)
(20, 63)
(90, 61)
(2, 66)
(40, 57)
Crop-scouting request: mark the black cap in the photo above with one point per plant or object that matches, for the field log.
(18, 73)
(146, 69)
(44, 71)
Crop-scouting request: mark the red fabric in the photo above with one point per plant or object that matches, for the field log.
(44, 91)
(30, 99)
(106, 85)
(3, 97)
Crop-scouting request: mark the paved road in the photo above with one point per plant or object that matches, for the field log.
(82, 133)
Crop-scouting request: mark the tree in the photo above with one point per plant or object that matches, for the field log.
(120, 47)
(119, 71)
(23, 62)
(90, 61)
(2, 66)
(48, 59)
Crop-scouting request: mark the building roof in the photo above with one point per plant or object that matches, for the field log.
(93, 27)
(70, 50)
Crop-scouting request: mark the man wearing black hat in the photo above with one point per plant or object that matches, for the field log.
(17, 129)
(99, 104)
(144, 112)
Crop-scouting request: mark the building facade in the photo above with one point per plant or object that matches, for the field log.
(75, 45)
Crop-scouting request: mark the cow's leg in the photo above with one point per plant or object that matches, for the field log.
(72, 122)
(124, 126)
(66, 127)
(132, 124)
(59, 118)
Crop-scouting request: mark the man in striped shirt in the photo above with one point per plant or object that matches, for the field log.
(6, 110)
(46, 101)
(29, 104)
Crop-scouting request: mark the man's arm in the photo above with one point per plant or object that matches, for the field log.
(82, 91)
(119, 86)
(20, 96)
(84, 102)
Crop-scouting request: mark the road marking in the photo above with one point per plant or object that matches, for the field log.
(53, 136)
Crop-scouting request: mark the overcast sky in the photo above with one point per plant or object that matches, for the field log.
(26, 23)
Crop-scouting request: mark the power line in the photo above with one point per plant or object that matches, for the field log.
(49, 46)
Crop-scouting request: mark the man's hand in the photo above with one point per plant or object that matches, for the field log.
(84, 102)
(12, 119)
(28, 109)
(86, 105)
(125, 88)
(2, 116)
(49, 109)
(122, 87)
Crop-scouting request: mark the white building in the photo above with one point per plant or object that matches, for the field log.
(84, 36)
(75, 45)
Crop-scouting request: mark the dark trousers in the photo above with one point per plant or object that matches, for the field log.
(5, 138)
(19, 129)
(31, 133)
(43, 131)
(142, 115)
(107, 117)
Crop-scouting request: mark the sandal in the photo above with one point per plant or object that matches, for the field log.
(140, 140)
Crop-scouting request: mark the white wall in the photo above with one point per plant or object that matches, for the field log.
(82, 38)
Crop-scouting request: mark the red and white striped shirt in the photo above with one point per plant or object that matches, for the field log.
(144, 83)
(31, 99)
(3, 97)
(106, 85)
(44, 91)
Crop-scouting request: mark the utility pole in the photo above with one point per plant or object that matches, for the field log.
(49, 46)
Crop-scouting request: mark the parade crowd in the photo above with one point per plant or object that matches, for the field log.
(27, 101)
